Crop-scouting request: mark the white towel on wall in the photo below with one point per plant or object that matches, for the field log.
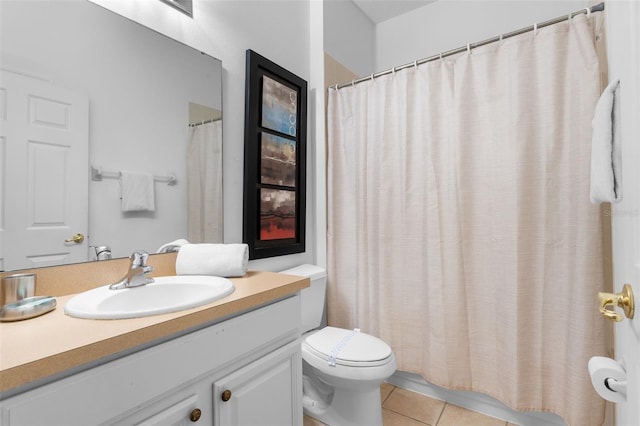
(137, 191)
(606, 157)
(223, 260)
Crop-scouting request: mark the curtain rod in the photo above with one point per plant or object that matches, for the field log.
(200, 123)
(596, 8)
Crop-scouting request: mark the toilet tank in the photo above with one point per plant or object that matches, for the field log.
(313, 297)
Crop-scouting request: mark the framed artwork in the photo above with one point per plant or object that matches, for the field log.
(274, 159)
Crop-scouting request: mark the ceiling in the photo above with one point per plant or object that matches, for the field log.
(381, 10)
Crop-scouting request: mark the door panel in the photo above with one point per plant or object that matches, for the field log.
(623, 45)
(45, 130)
(3, 170)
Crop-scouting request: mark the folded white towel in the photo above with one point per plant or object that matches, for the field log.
(137, 191)
(173, 246)
(606, 157)
(223, 260)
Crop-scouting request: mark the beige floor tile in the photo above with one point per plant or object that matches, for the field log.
(458, 416)
(310, 421)
(390, 418)
(412, 404)
(385, 390)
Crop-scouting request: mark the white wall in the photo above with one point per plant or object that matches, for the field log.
(449, 24)
(318, 169)
(349, 36)
(278, 30)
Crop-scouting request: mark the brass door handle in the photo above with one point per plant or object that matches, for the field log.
(624, 300)
(226, 395)
(78, 238)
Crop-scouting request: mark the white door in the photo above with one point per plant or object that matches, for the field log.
(44, 174)
(623, 45)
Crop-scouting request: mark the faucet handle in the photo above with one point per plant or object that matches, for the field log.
(139, 258)
(136, 276)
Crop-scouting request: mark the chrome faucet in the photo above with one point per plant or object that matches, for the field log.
(102, 252)
(137, 274)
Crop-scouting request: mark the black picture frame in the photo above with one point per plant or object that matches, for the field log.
(275, 139)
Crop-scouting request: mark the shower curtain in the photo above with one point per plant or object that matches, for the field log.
(204, 183)
(459, 224)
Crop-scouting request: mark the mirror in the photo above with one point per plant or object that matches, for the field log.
(152, 104)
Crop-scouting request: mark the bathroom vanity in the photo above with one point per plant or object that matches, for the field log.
(236, 361)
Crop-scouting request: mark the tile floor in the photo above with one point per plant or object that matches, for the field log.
(401, 407)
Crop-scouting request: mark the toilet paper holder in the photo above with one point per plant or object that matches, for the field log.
(619, 386)
(624, 300)
(609, 378)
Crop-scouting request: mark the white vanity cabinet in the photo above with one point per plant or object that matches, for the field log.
(246, 370)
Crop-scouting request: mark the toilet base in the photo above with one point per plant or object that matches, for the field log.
(348, 408)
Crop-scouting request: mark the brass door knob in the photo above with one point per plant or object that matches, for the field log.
(195, 415)
(226, 395)
(78, 238)
(624, 300)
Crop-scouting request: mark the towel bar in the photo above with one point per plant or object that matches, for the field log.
(98, 174)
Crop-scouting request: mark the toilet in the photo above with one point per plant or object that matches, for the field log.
(342, 369)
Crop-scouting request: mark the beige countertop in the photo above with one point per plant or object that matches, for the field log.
(45, 346)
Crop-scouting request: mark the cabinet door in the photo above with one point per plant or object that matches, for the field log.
(267, 392)
(183, 406)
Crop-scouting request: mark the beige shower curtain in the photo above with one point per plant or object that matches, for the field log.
(460, 228)
(204, 183)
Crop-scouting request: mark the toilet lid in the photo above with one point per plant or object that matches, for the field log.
(348, 345)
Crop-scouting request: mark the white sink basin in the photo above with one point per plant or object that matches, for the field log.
(165, 294)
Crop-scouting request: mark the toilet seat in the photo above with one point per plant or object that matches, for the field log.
(348, 348)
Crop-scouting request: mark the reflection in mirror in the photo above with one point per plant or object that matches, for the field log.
(204, 174)
(132, 96)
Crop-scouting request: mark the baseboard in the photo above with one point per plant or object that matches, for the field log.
(474, 401)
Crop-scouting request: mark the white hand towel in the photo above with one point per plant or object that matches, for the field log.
(173, 246)
(606, 157)
(137, 191)
(223, 260)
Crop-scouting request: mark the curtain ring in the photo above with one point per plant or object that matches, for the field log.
(393, 71)
(468, 48)
(415, 64)
(535, 29)
(588, 10)
(440, 55)
(501, 37)
(372, 76)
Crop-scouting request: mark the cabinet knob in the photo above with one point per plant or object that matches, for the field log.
(195, 415)
(226, 395)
